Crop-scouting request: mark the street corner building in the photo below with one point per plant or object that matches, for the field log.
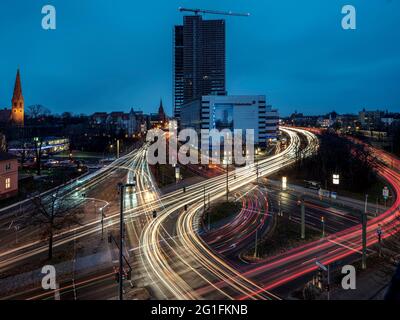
(8, 175)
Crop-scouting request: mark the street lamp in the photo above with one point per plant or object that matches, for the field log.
(284, 183)
(122, 187)
(102, 222)
(226, 161)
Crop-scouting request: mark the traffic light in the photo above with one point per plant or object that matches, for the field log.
(319, 278)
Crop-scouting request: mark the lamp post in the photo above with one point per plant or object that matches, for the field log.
(121, 187)
(379, 233)
(303, 220)
(284, 183)
(226, 160)
(257, 168)
(102, 222)
(364, 234)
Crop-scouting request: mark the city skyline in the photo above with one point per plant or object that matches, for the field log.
(93, 60)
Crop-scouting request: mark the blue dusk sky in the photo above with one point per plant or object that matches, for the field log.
(108, 55)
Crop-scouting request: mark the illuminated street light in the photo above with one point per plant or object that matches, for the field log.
(284, 183)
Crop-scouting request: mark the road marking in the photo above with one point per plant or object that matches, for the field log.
(347, 247)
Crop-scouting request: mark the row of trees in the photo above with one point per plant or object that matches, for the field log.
(394, 132)
(338, 155)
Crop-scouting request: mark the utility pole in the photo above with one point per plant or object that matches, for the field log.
(118, 149)
(329, 282)
(102, 223)
(121, 236)
(255, 247)
(379, 232)
(227, 181)
(122, 187)
(257, 169)
(364, 234)
(279, 205)
(303, 220)
(204, 199)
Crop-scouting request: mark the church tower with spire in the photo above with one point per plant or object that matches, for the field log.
(17, 109)
(161, 112)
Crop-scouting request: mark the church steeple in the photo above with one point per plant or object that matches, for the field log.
(17, 109)
(17, 87)
(161, 111)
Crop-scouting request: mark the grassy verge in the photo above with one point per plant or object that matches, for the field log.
(222, 211)
(284, 237)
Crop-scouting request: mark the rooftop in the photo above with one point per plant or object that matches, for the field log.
(6, 156)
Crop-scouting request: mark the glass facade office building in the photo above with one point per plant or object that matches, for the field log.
(199, 60)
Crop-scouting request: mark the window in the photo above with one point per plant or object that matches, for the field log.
(8, 166)
(8, 183)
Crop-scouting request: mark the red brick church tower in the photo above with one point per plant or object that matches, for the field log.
(17, 110)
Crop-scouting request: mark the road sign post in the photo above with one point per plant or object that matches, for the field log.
(102, 223)
(121, 237)
(379, 233)
(303, 220)
(204, 199)
(121, 187)
(255, 247)
(385, 193)
(364, 234)
(227, 181)
(327, 270)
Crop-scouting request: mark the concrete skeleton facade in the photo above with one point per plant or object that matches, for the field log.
(232, 112)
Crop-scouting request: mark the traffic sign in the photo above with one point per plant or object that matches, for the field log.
(385, 192)
(322, 266)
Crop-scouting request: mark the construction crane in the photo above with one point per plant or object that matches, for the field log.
(225, 13)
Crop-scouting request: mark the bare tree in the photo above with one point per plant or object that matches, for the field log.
(53, 213)
(3, 143)
(37, 110)
(390, 247)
